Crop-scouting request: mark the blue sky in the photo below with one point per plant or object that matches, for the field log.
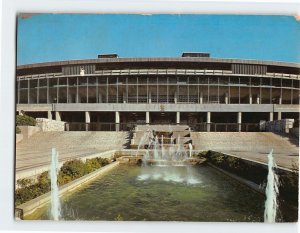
(52, 37)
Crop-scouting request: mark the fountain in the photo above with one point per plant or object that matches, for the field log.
(191, 148)
(55, 203)
(271, 191)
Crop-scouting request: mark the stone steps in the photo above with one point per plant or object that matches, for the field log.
(235, 141)
(36, 151)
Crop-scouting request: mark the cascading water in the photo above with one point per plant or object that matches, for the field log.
(191, 149)
(162, 147)
(271, 191)
(142, 141)
(55, 203)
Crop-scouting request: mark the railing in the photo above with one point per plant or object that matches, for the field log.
(200, 127)
(225, 127)
(80, 126)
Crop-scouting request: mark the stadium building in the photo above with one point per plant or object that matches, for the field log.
(112, 93)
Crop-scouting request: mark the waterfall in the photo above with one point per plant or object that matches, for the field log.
(55, 203)
(271, 191)
(191, 148)
(162, 147)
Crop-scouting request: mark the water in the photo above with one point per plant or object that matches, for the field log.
(191, 149)
(183, 193)
(55, 203)
(271, 192)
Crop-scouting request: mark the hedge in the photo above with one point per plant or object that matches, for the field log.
(69, 171)
(24, 120)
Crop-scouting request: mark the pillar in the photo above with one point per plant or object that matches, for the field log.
(226, 98)
(258, 100)
(175, 98)
(201, 98)
(280, 100)
(149, 100)
(57, 116)
(87, 121)
(124, 97)
(271, 116)
(250, 99)
(208, 121)
(147, 118)
(177, 117)
(279, 116)
(49, 115)
(117, 118)
(239, 121)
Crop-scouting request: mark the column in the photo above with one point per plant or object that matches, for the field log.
(208, 121)
(226, 98)
(250, 99)
(49, 115)
(177, 117)
(279, 116)
(149, 100)
(57, 116)
(124, 97)
(117, 118)
(258, 99)
(239, 121)
(87, 121)
(280, 100)
(201, 98)
(175, 98)
(271, 116)
(147, 118)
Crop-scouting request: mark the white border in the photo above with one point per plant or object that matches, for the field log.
(7, 102)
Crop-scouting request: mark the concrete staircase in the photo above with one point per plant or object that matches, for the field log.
(177, 132)
(36, 151)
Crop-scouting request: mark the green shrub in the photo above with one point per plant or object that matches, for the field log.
(18, 130)
(74, 168)
(69, 171)
(24, 120)
(92, 165)
(22, 183)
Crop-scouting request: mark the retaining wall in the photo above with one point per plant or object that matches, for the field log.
(47, 125)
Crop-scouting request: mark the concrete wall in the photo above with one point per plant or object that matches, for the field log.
(28, 131)
(154, 107)
(50, 125)
(283, 126)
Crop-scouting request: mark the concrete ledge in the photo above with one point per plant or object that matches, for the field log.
(241, 180)
(30, 206)
(253, 161)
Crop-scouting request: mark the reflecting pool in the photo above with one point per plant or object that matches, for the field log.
(152, 193)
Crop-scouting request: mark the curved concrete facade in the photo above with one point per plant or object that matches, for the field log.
(183, 90)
